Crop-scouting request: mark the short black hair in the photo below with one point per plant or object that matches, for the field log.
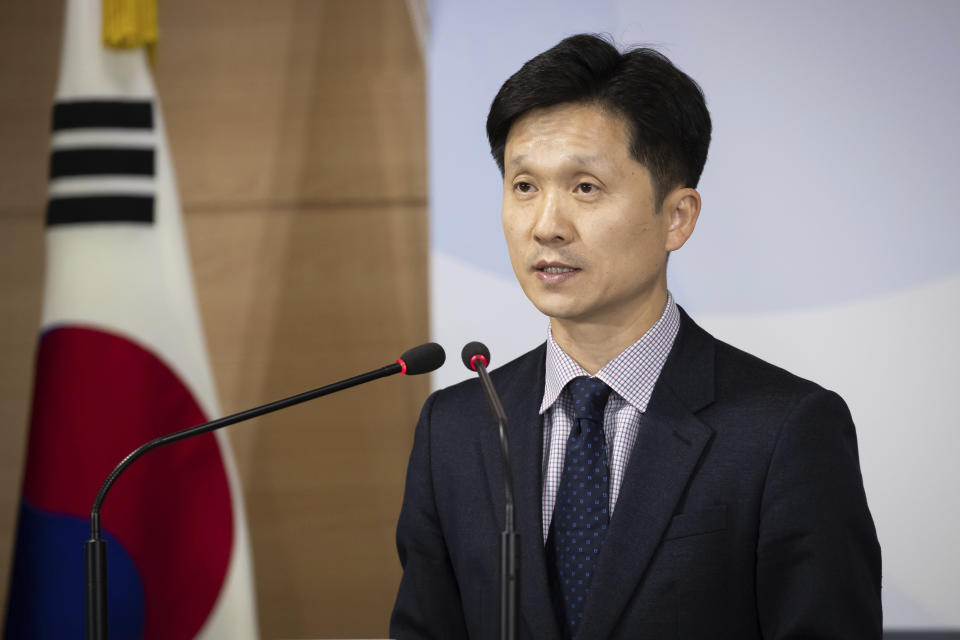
(663, 107)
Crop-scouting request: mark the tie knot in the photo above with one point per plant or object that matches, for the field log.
(589, 398)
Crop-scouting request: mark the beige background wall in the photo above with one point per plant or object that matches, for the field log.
(298, 136)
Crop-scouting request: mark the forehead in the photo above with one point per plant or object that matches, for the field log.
(576, 134)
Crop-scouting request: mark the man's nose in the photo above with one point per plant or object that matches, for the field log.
(552, 226)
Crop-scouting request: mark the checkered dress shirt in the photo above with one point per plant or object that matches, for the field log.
(631, 376)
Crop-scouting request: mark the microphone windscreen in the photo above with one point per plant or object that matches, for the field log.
(472, 350)
(423, 359)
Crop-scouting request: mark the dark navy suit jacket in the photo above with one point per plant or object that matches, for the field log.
(742, 512)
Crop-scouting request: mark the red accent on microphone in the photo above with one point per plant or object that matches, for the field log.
(403, 366)
(473, 363)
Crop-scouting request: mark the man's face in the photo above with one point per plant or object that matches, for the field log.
(585, 238)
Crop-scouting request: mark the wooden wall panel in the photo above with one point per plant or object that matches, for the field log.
(29, 55)
(295, 308)
(302, 101)
(298, 136)
(21, 242)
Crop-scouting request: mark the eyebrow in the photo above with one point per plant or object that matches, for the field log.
(583, 161)
(586, 160)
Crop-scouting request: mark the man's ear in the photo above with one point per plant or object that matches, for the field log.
(682, 208)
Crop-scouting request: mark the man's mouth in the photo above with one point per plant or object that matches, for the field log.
(554, 267)
(554, 272)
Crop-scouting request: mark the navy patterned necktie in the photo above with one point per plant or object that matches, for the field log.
(581, 512)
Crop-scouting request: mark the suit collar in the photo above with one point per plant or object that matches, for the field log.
(669, 445)
(689, 370)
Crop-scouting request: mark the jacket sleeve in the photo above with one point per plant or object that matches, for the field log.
(428, 602)
(818, 559)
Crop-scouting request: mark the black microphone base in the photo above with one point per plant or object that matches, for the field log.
(96, 564)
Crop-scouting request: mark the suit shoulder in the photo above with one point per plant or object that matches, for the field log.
(736, 361)
(757, 405)
(743, 375)
(736, 374)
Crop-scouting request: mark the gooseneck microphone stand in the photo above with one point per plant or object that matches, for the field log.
(476, 356)
(422, 359)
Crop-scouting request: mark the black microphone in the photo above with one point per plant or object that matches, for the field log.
(422, 359)
(476, 357)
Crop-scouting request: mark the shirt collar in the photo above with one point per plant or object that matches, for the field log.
(632, 374)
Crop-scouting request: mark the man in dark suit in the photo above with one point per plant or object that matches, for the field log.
(667, 484)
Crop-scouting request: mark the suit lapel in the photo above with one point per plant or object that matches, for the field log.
(668, 447)
(521, 395)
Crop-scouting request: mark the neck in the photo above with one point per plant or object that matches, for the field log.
(592, 344)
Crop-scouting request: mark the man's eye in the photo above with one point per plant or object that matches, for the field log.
(586, 187)
(523, 187)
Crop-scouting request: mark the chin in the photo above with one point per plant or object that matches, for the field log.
(556, 311)
(562, 306)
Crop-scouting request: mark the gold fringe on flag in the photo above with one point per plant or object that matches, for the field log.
(128, 24)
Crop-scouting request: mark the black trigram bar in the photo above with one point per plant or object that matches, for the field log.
(103, 114)
(83, 209)
(98, 162)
